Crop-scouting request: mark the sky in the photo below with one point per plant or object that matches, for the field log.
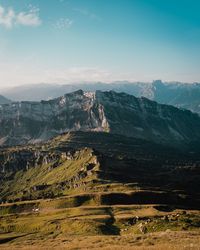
(69, 41)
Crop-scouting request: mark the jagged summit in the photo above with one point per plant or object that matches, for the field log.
(112, 112)
(183, 95)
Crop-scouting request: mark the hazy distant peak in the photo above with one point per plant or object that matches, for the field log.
(182, 95)
(4, 100)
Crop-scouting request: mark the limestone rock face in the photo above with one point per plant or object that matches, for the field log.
(119, 113)
(181, 95)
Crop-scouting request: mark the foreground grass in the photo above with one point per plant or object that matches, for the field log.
(92, 226)
(151, 241)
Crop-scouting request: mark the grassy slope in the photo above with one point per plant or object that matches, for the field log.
(102, 192)
(55, 223)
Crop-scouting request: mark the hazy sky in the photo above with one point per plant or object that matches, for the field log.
(99, 40)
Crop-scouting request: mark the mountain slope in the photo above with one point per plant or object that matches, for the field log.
(4, 100)
(88, 162)
(94, 183)
(38, 92)
(182, 95)
(112, 112)
(186, 96)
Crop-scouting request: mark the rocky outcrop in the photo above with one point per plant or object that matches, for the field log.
(118, 113)
(31, 171)
(181, 95)
(140, 117)
(23, 122)
(85, 162)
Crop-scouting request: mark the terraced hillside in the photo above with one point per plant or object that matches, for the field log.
(43, 223)
(88, 184)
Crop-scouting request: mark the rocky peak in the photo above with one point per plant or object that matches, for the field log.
(108, 111)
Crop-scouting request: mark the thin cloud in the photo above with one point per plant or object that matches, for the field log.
(9, 18)
(63, 23)
(30, 72)
(87, 13)
(77, 74)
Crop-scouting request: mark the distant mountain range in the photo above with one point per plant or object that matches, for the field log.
(4, 100)
(116, 113)
(181, 95)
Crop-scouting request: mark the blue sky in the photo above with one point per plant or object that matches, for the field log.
(61, 41)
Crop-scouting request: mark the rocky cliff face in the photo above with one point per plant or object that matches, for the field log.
(113, 112)
(181, 95)
(23, 122)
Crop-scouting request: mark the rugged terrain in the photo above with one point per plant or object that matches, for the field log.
(182, 95)
(81, 161)
(116, 171)
(84, 188)
(117, 113)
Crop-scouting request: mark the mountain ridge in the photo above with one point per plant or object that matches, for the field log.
(85, 162)
(181, 95)
(4, 100)
(118, 113)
